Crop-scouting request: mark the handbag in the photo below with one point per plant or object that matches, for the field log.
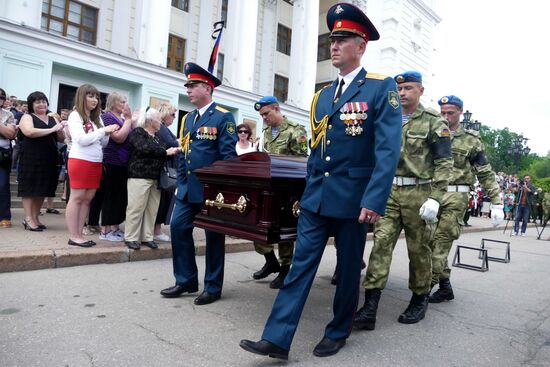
(168, 177)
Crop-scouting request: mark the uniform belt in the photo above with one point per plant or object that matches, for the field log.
(410, 181)
(458, 188)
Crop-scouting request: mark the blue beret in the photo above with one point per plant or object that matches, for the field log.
(265, 101)
(408, 77)
(450, 99)
(196, 74)
(346, 20)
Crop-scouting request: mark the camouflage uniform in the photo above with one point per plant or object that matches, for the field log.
(546, 207)
(425, 155)
(290, 140)
(469, 162)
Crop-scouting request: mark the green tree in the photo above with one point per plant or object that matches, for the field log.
(498, 143)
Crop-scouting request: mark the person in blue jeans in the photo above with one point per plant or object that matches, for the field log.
(525, 199)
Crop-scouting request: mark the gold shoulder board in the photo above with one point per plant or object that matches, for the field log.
(221, 109)
(376, 76)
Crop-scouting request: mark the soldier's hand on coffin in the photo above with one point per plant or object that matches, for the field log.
(172, 151)
(428, 211)
(368, 216)
(497, 214)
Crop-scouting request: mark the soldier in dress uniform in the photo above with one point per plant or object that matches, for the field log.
(355, 138)
(421, 180)
(280, 136)
(207, 134)
(469, 161)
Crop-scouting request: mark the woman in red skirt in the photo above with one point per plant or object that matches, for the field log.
(89, 136)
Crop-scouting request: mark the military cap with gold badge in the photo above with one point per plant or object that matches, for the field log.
(196, 74)
(451, 99)
(408, 77)
(347, 20)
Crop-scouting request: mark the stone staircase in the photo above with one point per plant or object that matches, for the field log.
(16, 201)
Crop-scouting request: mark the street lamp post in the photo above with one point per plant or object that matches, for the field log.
(468, 124)
(519, 149)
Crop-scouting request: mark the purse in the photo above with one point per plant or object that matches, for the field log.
(167, 180)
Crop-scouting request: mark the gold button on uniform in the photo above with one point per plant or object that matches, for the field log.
(327, 174)
(327, 158)
(188, 161)
(188, 172)
(328, 142)
(329, 127)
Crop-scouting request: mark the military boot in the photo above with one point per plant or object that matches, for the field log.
(271, 266)
(278, 282)
(416, 309)
(444, 293)
(365, 318)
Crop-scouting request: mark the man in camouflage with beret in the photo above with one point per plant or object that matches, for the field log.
(469, 161)
(420, 183)
(280, 136)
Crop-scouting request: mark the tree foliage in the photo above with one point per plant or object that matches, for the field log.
(498, 143)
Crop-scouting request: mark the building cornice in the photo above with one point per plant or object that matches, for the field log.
(427, 10)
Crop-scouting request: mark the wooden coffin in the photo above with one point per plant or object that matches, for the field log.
(254, 196)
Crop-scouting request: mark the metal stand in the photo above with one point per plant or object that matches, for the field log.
(505, 259)
(542, 229)
(482, 255)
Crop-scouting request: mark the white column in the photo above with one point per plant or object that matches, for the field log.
(303, 54)
(155, 27)
(27, 13)
(269, 44)
(241, 43)
(204, 39)
(121, 27)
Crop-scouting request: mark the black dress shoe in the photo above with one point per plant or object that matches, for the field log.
(178, 290)
(81, 244)
(328, 347)
(150, 244)
(264, 348)
(134, 245)
(206, 298)
(42, 227)
(32, 229)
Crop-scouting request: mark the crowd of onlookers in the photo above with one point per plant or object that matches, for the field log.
(109, 161)
(512, 194)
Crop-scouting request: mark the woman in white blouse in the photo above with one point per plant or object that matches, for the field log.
(245, 144)
(85, 167)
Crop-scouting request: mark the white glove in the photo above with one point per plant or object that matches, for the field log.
(428, 211)
(497, 214)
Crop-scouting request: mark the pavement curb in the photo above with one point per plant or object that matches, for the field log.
(25, 260)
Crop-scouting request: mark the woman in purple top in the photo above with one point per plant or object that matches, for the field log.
(115, 163)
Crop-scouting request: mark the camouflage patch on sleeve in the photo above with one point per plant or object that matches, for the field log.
(393, 99)
(445, 133)
(302, 141)
(231, 128)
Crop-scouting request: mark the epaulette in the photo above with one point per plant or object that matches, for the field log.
(221, 109)
(376, 76)
(472, 132)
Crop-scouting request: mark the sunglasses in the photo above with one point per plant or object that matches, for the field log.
(243, 132)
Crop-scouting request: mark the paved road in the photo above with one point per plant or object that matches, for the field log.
(112, 315)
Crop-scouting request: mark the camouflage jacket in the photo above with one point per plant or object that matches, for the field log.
(425, 150)
(470, 161)
(290, 140)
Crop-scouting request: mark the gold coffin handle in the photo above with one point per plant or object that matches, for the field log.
(219, 203)
(296, 209)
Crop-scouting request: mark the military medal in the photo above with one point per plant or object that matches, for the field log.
(354, 114)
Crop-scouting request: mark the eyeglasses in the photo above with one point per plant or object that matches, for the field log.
(243, 132)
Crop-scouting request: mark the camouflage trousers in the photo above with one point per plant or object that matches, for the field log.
(402, 213)
(286, 251)
(451, 214)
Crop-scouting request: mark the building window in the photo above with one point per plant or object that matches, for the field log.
(176, 53)
(219, 68)
(323, 47)
(224, 11)
(319, 86)
(284, 36)
(280, 89)
(181, 4)
(70, 19)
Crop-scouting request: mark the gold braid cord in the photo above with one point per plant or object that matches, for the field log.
(318, 128)
(184, 140)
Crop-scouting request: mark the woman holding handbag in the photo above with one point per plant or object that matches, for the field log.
(147, 156)
(167, 116)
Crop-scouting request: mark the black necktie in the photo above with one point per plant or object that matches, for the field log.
(339, 92)
(197, 118)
